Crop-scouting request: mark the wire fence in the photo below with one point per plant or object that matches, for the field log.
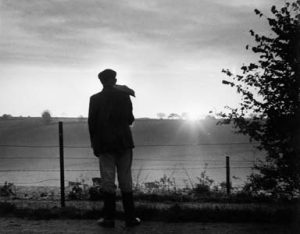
(77, 164)
(201, 163)
(139, 145)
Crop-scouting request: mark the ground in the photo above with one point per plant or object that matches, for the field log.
(16, 225)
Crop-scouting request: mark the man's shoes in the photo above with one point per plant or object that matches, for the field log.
(107, 223)
(133, 222)
(109, 208)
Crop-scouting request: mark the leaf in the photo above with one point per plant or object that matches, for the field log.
(227, 83)
(273, 9)
(258, 13)
(227, 72)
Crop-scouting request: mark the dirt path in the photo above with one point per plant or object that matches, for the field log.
(15, 226)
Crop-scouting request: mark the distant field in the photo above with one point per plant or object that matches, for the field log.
(176, 148)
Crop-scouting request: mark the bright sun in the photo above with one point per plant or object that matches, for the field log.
(192, 116)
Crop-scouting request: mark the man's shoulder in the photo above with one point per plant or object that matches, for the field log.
(114, 93)
(120, 93)
(96, 95)
(109, 93)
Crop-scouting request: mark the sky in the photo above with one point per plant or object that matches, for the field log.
(171, 52)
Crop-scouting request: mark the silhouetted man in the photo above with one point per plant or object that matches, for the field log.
(110, 117)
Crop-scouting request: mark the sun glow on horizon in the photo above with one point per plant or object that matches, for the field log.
(192, 116)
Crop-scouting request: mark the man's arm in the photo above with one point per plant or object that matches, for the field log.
(130, 114)
(92, 120)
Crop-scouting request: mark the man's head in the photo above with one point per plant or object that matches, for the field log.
(108, 77)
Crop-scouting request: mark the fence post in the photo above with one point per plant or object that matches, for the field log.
(61, 160)
(228, 184)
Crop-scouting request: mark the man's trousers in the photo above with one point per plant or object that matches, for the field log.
(120, 162)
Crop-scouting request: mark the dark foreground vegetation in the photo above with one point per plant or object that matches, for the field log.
(160, 201)
(174, 212)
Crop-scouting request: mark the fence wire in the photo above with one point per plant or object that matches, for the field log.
(201, 163)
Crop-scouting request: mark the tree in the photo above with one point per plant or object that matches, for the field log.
(81, 118)
(46, 116)
(161, 115)
(6, 116)
(174, 116)
(269, 91)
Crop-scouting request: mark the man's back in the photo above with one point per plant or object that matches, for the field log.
(110, 115)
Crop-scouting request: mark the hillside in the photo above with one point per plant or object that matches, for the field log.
(32, 131)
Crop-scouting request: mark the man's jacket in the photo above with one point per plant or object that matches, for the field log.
(110, 117)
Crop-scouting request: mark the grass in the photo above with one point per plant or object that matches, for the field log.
(162, 201)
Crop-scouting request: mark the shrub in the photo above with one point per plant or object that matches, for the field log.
(163, 185)
(8, 189)
(6, 208)
(46, 116)
(203, 187)
(95, 193)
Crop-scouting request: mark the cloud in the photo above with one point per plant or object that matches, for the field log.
(76, 32)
